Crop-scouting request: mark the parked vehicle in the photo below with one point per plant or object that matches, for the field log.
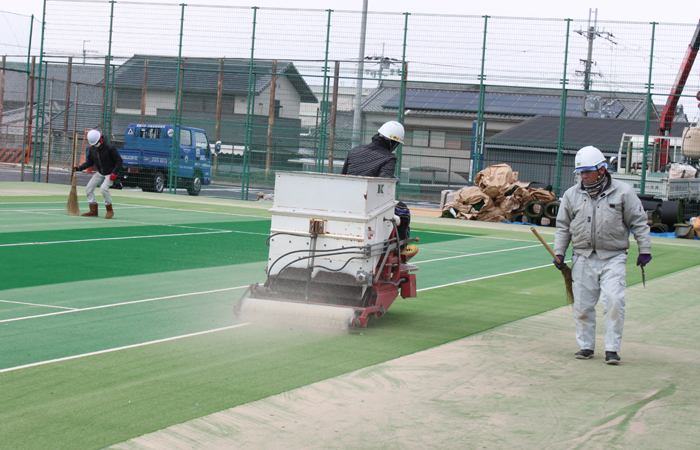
(148, 151)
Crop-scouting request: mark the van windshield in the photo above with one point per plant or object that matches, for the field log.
(202, 142)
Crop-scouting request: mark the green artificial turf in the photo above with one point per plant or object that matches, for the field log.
(100, 400)
(35, 265)
(96, 401)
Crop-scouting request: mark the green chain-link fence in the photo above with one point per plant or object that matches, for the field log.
(293, 89)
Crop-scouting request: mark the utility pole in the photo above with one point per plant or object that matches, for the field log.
(591, 33)
(357, 116)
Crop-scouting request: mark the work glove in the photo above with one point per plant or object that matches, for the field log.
(560, 265)
(643, 259)
(77, 169)
(112, 176)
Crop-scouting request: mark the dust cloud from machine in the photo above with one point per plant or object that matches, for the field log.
(298, 316)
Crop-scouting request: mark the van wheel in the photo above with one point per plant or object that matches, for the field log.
(155, 184)
(195, 185)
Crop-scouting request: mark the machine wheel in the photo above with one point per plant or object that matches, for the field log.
(155, 184)
(194, 186)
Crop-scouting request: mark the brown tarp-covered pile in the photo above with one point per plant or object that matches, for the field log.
(496, 196)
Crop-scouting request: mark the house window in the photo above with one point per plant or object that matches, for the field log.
(421, 138)
(453, 140)
(436, 139)
(128, 99)
(278, 108)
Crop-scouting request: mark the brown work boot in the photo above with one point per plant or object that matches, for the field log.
(93, 211)
(110, 213)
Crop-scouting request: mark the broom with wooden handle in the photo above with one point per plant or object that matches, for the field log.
(72, 205)
(566, 271)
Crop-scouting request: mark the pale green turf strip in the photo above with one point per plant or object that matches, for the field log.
(135, 391)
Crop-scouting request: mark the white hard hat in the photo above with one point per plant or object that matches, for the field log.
(589, 158)
(93, 136)
(392, 130)
(613, 159)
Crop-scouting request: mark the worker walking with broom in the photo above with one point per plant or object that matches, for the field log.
(596, 216)
(106, 158)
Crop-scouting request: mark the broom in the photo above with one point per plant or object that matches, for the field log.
(566, 271)
(72, 205)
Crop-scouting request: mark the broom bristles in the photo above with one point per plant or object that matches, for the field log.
(566, 272)
(72, 205)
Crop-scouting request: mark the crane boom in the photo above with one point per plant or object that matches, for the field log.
(669, 111)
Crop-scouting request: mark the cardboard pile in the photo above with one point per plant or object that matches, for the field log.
(495, 197)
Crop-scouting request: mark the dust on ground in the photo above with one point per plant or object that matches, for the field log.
(515, 386)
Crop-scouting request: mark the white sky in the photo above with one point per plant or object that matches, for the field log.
(616, 10)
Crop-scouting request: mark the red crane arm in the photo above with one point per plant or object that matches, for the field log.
(672, 102)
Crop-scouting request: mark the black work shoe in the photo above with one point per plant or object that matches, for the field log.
(612, 358)
(584, 354)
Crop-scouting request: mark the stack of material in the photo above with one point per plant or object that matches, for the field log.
(496, 196)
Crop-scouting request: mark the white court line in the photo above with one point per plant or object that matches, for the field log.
(115, 238)
(92, 308)
(209, 212)
(110, 350)
(473, 254)
(483, 278)
(9, 369)
(36, 304)
(470, 235)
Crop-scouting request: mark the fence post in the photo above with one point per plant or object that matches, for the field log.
(479, 135)
(245, 174)
(562, 116)
(36, 127)
(271, 119)
(144, 90)
(2, 86)
(321, 152)
(174, 163)
(357, 114)
(648, 113)
(27, 105)
(402, 102)
(69, 80)
(107, 105)
(334, 111)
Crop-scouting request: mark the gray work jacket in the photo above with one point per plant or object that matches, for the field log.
(603, 224)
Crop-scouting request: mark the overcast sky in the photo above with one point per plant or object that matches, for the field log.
(616, 10)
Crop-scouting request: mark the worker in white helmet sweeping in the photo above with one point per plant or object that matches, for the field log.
(597, 216)
(377, 159)
(106, 158)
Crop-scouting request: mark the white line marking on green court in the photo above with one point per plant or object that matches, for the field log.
(474, 254)
(114, 238)
(199, 211)
(122, 304)
(482, 278)
(36, 304)
(470, 236)
(126, 347)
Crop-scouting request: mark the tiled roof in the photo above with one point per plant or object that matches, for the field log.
(201, 75)
(542, 132)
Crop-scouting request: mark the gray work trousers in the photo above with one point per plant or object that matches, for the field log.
(604, 279)
(106, 183)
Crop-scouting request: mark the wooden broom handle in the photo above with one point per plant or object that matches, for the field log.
(551, 252)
